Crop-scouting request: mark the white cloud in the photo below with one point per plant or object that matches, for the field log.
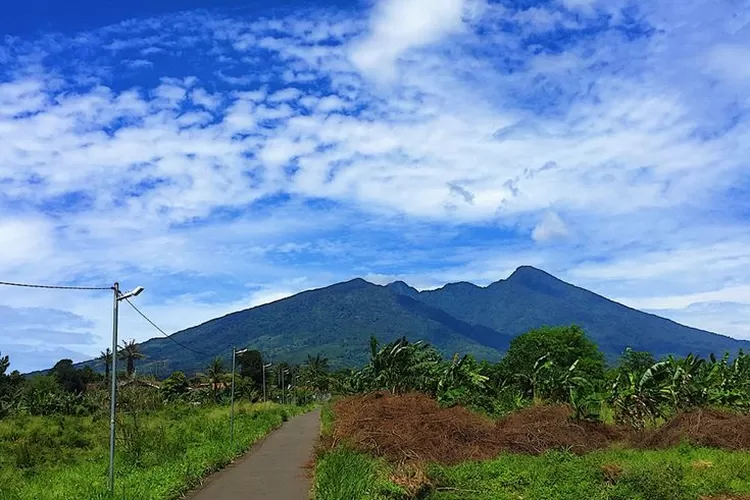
(731, 62)
(202, 98)
(400, 25)
(648, 174)
(549, 228)
(137, 63)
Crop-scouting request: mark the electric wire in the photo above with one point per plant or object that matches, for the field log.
(55, 287)
(163, 332)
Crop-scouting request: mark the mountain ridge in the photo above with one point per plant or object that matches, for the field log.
(337, 321)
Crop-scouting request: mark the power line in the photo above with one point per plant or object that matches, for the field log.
(55, 287)
(163, 332)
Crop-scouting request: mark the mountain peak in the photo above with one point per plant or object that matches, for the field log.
(530, 274)
(402, 288)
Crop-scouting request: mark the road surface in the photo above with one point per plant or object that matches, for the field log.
(273, 469)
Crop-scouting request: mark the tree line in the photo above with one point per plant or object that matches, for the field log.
(549, 364)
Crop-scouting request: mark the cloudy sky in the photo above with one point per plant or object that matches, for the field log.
(234, 153)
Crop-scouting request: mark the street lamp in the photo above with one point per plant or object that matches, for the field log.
(235, 352)
(264, 379)
(283, 387)
(113, 396)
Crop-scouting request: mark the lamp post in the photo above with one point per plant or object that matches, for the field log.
(264, 379)
(283, 386)
(113, 396)
(235, 352)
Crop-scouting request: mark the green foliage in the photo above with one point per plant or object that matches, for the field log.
(315, 373)
(216, 376)
(68, 376)
(170, 450)
(106, 357)
(559, 346)
(345, 474)
(570, 369)
(673, 474)
(175, 386)
(43, 395)
(250, 365)
(10, 387)
(130, 352)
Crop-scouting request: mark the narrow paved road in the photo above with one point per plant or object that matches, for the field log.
(272, 470)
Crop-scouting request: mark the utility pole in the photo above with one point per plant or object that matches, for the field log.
(264, 377)
(113, 393)
(235, 352)
(113, 389)
(284, 371)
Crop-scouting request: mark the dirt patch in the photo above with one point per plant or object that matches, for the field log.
(413, 427)
(710, 428)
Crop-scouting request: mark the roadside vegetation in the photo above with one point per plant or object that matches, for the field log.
(54, 428)
(550, 420)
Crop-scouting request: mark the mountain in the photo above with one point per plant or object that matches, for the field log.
(530, 298)
(338, 321)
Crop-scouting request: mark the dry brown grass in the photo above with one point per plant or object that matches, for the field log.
(412, 428)
(710, 428)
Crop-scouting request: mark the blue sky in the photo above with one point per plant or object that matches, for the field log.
(227, 154)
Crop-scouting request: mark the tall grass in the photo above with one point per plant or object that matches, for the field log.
(343, 474)
(161, 454)
(682, 473)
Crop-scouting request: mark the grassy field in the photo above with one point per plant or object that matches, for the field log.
(682, 473)
(160, 455)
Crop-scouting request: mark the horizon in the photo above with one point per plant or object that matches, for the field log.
(225, 155)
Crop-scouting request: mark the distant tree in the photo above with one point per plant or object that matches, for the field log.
(68, 376)
(175, 386)
(106, 356)
(251, 366)
(4, 364)
(130, 352)
(559, 346)
(315, 372)
(216, 375)
(10, 386)
(88, 375)
(635, 361)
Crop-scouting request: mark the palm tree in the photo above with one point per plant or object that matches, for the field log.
(215, 374)
(130, 352)
(106, 356)
(316, 372)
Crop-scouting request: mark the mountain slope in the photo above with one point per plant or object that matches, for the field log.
(336, 321)
(530, 298)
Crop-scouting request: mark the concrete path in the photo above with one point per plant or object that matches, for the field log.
(273, 469)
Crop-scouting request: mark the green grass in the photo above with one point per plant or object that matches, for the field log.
(680, 473)
(161, 454)
(342, 474)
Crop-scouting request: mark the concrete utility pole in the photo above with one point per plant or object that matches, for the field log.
(235, 352)
(113, 395)
(264, 378)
